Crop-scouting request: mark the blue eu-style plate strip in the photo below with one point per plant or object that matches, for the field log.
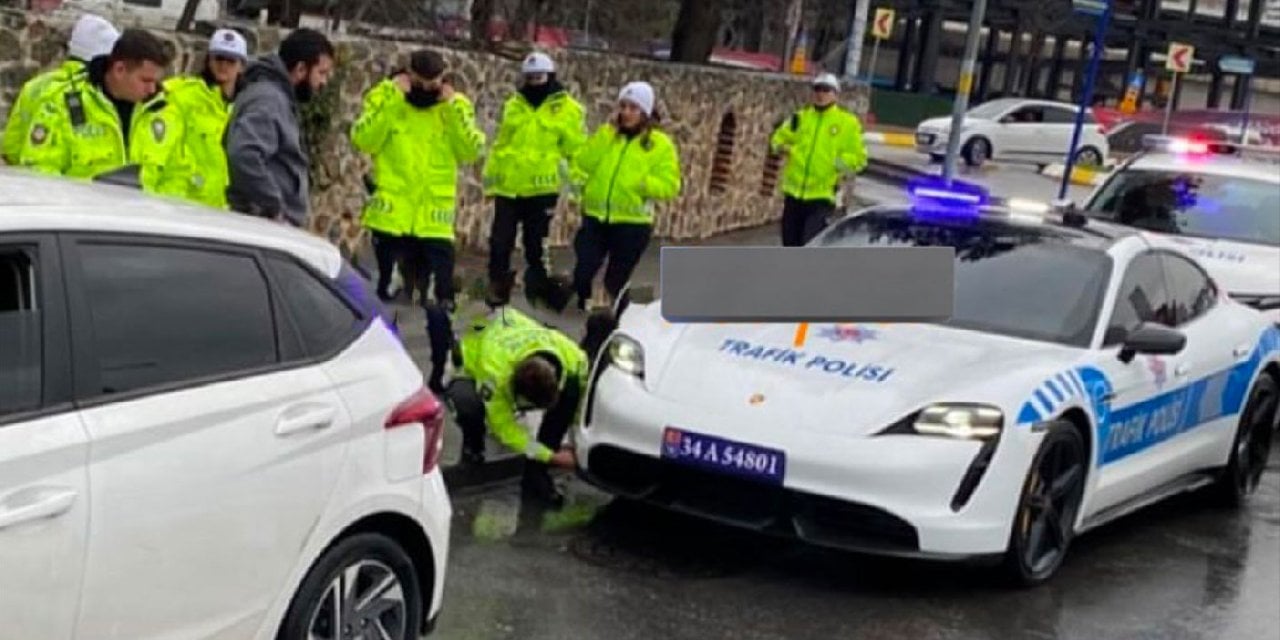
(723, 456)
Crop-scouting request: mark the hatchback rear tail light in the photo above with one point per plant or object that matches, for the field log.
(422, 408)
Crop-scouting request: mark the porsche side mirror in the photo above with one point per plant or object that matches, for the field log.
(1152, 339)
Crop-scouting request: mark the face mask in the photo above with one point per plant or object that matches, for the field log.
(302, 91)
(422, 98)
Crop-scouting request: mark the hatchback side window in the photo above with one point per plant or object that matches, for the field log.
(1143, 297)
(1058, 115)
(1190, 287)
(21, 340)
(323, 320)
(167, 315)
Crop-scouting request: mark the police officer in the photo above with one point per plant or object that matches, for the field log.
(203, 103)
(92, 36)
(626, 166)
(822, 141)
(541, 127)
(418, 131)
(114, 119)
(512, 363)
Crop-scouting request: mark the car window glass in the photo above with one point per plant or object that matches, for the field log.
(1026, 115)
(1058, 115)
(1192, 291)
(165, 315)
(20, 330)
(1193, 204)
(324, 321)
(1142, 297)
(1009, 279)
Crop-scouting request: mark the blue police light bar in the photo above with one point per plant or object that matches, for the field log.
(934, 192)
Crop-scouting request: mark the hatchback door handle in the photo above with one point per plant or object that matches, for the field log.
(305, 418)
(44, 503)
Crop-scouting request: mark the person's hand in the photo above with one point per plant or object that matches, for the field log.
(447, 92)
(402, 81)
(564, 458)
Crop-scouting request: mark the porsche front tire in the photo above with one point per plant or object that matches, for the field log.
(1044, 523)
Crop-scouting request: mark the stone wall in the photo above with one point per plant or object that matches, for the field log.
(694, 102)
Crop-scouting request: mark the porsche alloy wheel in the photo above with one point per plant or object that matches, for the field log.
(1044, 524)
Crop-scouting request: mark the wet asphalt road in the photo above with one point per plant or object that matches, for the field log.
(1182, 570)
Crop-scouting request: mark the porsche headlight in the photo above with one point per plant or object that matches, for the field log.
(627, 355)
(965, 421)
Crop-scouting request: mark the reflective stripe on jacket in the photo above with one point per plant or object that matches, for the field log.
(531, 145)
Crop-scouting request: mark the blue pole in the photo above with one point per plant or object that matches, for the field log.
(1098, 42)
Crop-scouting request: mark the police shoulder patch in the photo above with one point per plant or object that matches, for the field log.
(39, 134)
(158, 129)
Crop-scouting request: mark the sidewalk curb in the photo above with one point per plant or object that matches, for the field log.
(1080, 176)
(889, 139)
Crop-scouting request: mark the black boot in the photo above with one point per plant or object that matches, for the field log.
(537, 486)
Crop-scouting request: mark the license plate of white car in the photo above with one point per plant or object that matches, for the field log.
(724, 456)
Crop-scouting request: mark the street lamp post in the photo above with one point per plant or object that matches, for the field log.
(1102, 9)
(962, 88)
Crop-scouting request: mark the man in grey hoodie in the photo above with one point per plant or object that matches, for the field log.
(266, 154)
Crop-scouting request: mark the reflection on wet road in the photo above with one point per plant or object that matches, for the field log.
(1182, 570)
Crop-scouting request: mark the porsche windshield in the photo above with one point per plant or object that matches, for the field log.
(1014, 280)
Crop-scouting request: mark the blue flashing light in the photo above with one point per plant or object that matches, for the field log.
(933, 194)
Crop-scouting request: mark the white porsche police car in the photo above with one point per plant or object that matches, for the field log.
(1218, 201)
(1086, 372)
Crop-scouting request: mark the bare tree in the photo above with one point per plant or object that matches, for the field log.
(697, 30)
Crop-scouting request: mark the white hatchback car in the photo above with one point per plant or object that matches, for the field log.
(1017, 129)
(207, 430)
(1084, 373)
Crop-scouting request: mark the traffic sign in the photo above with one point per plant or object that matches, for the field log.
(1236, 64)
(1089, 7)
(883, 24)
(1179, 58)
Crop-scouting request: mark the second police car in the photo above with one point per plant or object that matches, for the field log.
(1218, 201)
(1087, 371)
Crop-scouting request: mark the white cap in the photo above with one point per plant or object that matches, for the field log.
(228, 42)
(92, 36)
(639, 94)
(538, 63)
(827, 80)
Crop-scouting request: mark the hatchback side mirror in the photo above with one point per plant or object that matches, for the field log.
(1152, 339)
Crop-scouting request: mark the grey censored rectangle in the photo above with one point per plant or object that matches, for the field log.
(807, 284)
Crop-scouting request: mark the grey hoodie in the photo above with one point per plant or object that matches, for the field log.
(266, 159)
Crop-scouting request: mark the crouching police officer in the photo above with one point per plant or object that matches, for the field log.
(511, 363)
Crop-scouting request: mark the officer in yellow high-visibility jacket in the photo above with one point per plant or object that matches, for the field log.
(541, 128)
(203, 103)
(112, 118)
(92, 36)
(823, 143)
(418, 131)
(626, 166)
(509, 362)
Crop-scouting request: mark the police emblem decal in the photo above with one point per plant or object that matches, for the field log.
(158, 130)
(39, 134)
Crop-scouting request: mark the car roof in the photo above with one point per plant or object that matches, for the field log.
(34, 202)
(1223, 165)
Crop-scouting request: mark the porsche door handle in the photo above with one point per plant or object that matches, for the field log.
(1241, 350)
(46, 503)
(305, 418)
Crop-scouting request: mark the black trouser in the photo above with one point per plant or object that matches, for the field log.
(432, 258)
(387, 249)
(803, 219)
(622, 244)
(468, 409)
(532, 217)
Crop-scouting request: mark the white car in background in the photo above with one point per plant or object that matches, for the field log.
(1218, 201)
(207, 430)
(1019, 130)
(1084, 374)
